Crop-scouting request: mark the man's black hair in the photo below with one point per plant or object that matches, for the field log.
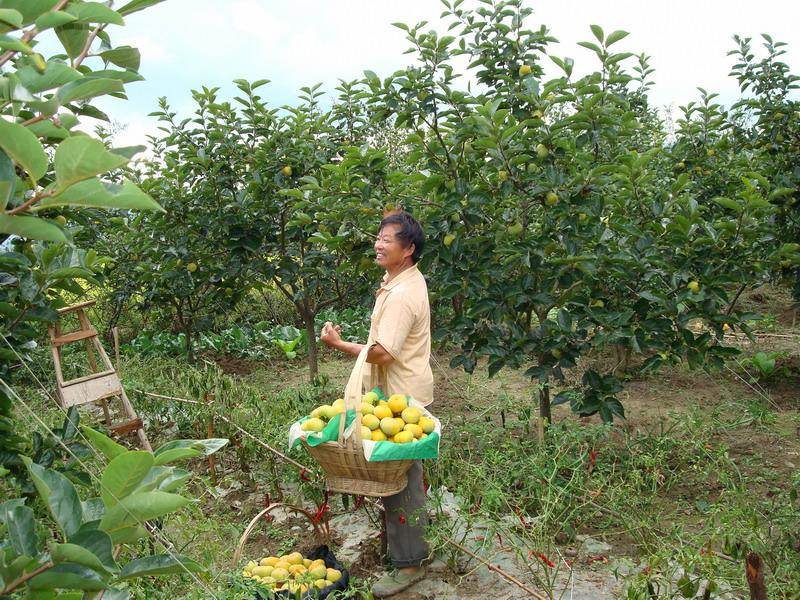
(409, 233)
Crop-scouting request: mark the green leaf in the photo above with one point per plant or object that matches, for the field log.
(73, 36)
(72, 273)
(95, 12)
(160, 565)
(99, 544)
(55, 74)
(137, 5)
(33, 228)
(68, 576)
(10, 19)
(137, 508)
(616, 36)
(23, 148)
(8, 180)
(729, 204)
(54, 18)
(598, 32)
(8, 506)
(22, 531)
(88, 88)
(123, 475)
(208, 446)
(177, 454)
(59, 496)
(123, 56)
(94, 193)
(8, 42)
(73, 553)
(103, 443)
(30, 9)
(80, 157)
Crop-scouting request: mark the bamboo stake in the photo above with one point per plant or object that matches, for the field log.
(496, 569)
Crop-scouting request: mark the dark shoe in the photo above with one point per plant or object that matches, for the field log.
(394, 583)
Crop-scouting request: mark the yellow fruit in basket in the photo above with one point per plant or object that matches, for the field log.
(370, 397)
(398, 403)
(283, 564)
(246, 574)
(269, 561)
(415, 429)
(307, 563)
(403, 437)
(264, 571)
(270, 581)
(366, 433)
(411, 415)
(371, 421)
(378, 436)
(319, 412)
(313, 424)
(318, 571)
(327, 412)
(390, 426)
(338, 405)
(367, 408)
(251, 565)
(321, 584)
(295, 558)
(297, 570)
(317, 563)
(382, 411)
(427, 424)
(334, 575)
(400, 422)
(280, 574)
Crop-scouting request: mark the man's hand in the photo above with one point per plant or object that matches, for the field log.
(330, 334)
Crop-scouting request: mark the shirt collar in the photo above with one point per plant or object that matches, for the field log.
(401, 277)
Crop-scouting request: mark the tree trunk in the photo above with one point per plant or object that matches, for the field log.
(311, 336)
(544, 404)
(754, 569)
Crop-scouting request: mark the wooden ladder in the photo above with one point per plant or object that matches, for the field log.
(99, 385)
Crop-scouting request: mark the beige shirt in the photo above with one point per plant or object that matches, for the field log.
(401, 323)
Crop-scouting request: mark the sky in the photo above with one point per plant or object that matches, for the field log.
(187, 44)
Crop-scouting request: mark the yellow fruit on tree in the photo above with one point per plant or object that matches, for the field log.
(693, 286)
(191, 267)
(398, 403)
(411, 415)
(415, 429)
(502, 175)
(390, 426)
(449, 239)
(551, 199)
(61, 220)
(427, 425)
(542, 151)
(382, 411)
(371, 421)
(378, 436)
(333, 575)
(524, 70)
(286, 171)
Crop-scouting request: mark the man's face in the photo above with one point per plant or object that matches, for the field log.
(390, 251)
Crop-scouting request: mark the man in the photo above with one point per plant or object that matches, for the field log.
(399, 350)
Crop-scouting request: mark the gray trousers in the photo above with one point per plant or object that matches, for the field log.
(406, 519)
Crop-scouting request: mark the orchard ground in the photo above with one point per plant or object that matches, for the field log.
(702, 469)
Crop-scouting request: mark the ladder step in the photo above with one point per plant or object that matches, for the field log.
(99, 386)
(74, 307)
(127, 427)
(75, 336)
(88, 377)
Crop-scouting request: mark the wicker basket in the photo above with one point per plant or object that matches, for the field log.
(343, 461)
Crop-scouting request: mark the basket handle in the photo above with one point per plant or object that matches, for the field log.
(237, 555)
(352, 397)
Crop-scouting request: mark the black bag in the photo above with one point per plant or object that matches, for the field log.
(325, 554)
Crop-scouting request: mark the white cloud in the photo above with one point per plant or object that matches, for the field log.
(152, 51)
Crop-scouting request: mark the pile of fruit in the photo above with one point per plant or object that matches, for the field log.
(291, 572)
(391, 420)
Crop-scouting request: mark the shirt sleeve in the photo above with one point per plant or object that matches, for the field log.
(395, 324)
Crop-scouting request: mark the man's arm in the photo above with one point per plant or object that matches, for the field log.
(330, 335)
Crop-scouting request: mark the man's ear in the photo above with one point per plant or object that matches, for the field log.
(409, 251)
